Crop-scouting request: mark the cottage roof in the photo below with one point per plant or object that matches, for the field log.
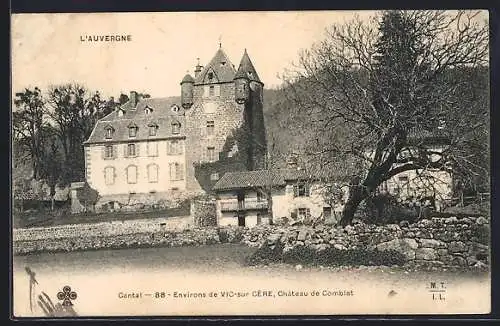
(268, 178)
(163, 112)
(221, 67)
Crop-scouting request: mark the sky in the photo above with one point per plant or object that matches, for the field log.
(47, 48)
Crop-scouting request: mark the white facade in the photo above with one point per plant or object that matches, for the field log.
(153, 169)
(287, 204)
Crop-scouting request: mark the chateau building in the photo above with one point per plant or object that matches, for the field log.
(155, 148)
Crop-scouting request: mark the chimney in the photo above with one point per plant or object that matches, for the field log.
(197, 68)
(134, 98)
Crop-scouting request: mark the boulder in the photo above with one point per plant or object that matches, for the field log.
(426, 254)
(302, 235)
(273, 238)
(404, 224)
(457, 246)
(405, 246)
(481, 220)
(339, 246)
(432, 243)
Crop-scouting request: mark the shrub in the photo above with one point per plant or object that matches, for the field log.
(328, 257)
(386, 209)
(266, 254)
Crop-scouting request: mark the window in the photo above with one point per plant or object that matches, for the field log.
(214, 176)
(132, 131)
(210, 128)
(259, 196)
(152, 130)
(153, 173)
(131, 150)
(259, 218)
(301, 190)
(211, 154)
(327, 213)
(109, 175)
(403, 179)
(211, 90)
(210, 76)
(176, 127)
(108, 151)
(174, 147)
(153, 148)
(304, 213)
(131, 174)
(109, 132)
(176, 171)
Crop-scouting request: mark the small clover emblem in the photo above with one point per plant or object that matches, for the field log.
(66, 295)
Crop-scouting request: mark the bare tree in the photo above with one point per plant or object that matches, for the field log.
(377, 91)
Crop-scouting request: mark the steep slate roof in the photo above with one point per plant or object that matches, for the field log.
(223, 72)
(247, 69)
(269, 178)
(161, 115)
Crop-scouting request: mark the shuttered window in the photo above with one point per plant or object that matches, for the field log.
(301, 190)
(152, 173)
(176, 171)
(109, 175)
(153, 148)
(131, 174)
(108, 152)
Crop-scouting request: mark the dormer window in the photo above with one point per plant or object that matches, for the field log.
(223, 63)
(148, 110)
(132, 130)
(121, 113)
(249, 74)
(210, 76)
(109, 132)
(175, 108)
(152, 129)
(176, 127)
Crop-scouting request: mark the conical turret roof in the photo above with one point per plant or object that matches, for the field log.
(187, 79)
(246, 69)
(221, 67)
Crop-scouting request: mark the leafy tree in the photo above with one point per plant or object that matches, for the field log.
(75, 112)
(376, 96)
(28, 124)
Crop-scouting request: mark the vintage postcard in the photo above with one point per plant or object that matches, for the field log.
(250, 163)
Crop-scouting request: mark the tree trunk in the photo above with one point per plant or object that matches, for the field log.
(350, 207)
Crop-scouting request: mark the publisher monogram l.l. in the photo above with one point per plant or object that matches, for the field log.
(106, 38)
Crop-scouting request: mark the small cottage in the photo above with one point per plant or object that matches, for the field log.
(282, 195)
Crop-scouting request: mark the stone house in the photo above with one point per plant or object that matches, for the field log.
(431, 185)
(154, 149)
(269, 196)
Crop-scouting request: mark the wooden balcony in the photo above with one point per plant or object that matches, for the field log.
(235, 206)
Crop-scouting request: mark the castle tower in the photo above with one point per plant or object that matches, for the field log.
(249, 92)
(224, 127)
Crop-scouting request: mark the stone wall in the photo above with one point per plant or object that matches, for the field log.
(436, 242)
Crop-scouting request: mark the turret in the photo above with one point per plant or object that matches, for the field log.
(245, 75)
(187, 86)
(241, 87)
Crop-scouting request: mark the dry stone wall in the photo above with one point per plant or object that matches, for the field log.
(437, 242)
